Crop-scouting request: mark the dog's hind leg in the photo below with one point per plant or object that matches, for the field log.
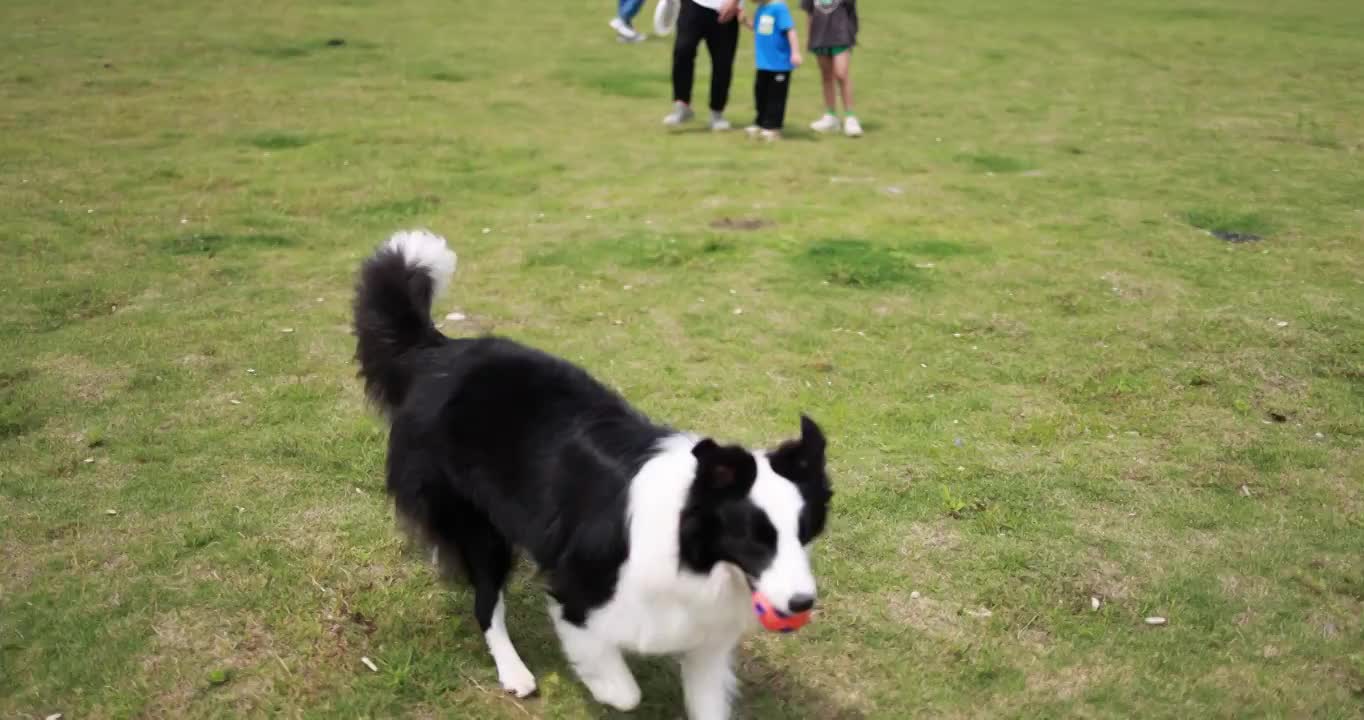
(487, 559)
(512, 673)
(462, 537)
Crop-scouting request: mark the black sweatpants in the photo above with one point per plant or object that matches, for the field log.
(694, 24)
(769, 96)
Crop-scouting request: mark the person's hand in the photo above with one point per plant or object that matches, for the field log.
(795, 58)
(729, 11)
(745, 20)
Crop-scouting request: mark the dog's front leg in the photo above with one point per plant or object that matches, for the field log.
(708, 682)
(599, 664)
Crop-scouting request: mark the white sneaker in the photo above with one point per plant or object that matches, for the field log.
(851, 127)
(770, 135)
(626, 33)
(718, 123)
(753, 131)
(681, 113)
(828, 123)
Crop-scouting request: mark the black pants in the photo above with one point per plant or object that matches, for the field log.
(769, 96)
(694, 24)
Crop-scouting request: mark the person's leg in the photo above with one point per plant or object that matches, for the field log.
(628, 9)
(842, 68)
(773, 98)
(771, 87)
(776, 108)
(691, 26)
(722, 42)
(826, 79)
(625, 15)
(828, 122)
(759, 95)
(852, 127)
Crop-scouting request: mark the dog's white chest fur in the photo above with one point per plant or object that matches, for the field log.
(689, 613)
(659, 608)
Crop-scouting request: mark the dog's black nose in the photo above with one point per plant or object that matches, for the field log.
(801, 603)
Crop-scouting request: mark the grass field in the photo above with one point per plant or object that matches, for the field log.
(1046, 381)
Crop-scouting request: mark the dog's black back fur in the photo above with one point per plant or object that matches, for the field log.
(495, 445)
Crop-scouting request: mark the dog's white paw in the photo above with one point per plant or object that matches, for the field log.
(620, 692)
(517, 681)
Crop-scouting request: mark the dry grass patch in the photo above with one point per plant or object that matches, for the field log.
(200, 662)
(83, 380)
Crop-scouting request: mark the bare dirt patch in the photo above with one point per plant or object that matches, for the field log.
(1061, 685)
(936, 618)
(193, 651)
(740, 223)
(1106, 580)
(922, 539)
(84, 380)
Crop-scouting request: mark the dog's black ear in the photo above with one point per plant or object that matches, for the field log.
(811, 437)
(723, 472)
(802, 461)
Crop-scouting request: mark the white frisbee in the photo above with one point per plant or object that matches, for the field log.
(665, 16)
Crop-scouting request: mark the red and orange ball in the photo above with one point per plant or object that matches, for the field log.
(775, 620)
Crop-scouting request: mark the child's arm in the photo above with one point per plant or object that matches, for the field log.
(785, 21)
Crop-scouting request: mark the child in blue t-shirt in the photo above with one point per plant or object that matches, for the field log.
(777, 50)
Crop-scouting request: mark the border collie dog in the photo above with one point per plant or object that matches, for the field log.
(649, 540)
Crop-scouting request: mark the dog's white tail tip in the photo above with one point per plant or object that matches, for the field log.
(427, 250)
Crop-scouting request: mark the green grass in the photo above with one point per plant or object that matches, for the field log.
(1045, 382)
(1227, 222)
(988, 162)
(858, 263)
(278, 141)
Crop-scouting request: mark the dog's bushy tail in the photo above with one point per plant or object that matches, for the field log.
(393, 311)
